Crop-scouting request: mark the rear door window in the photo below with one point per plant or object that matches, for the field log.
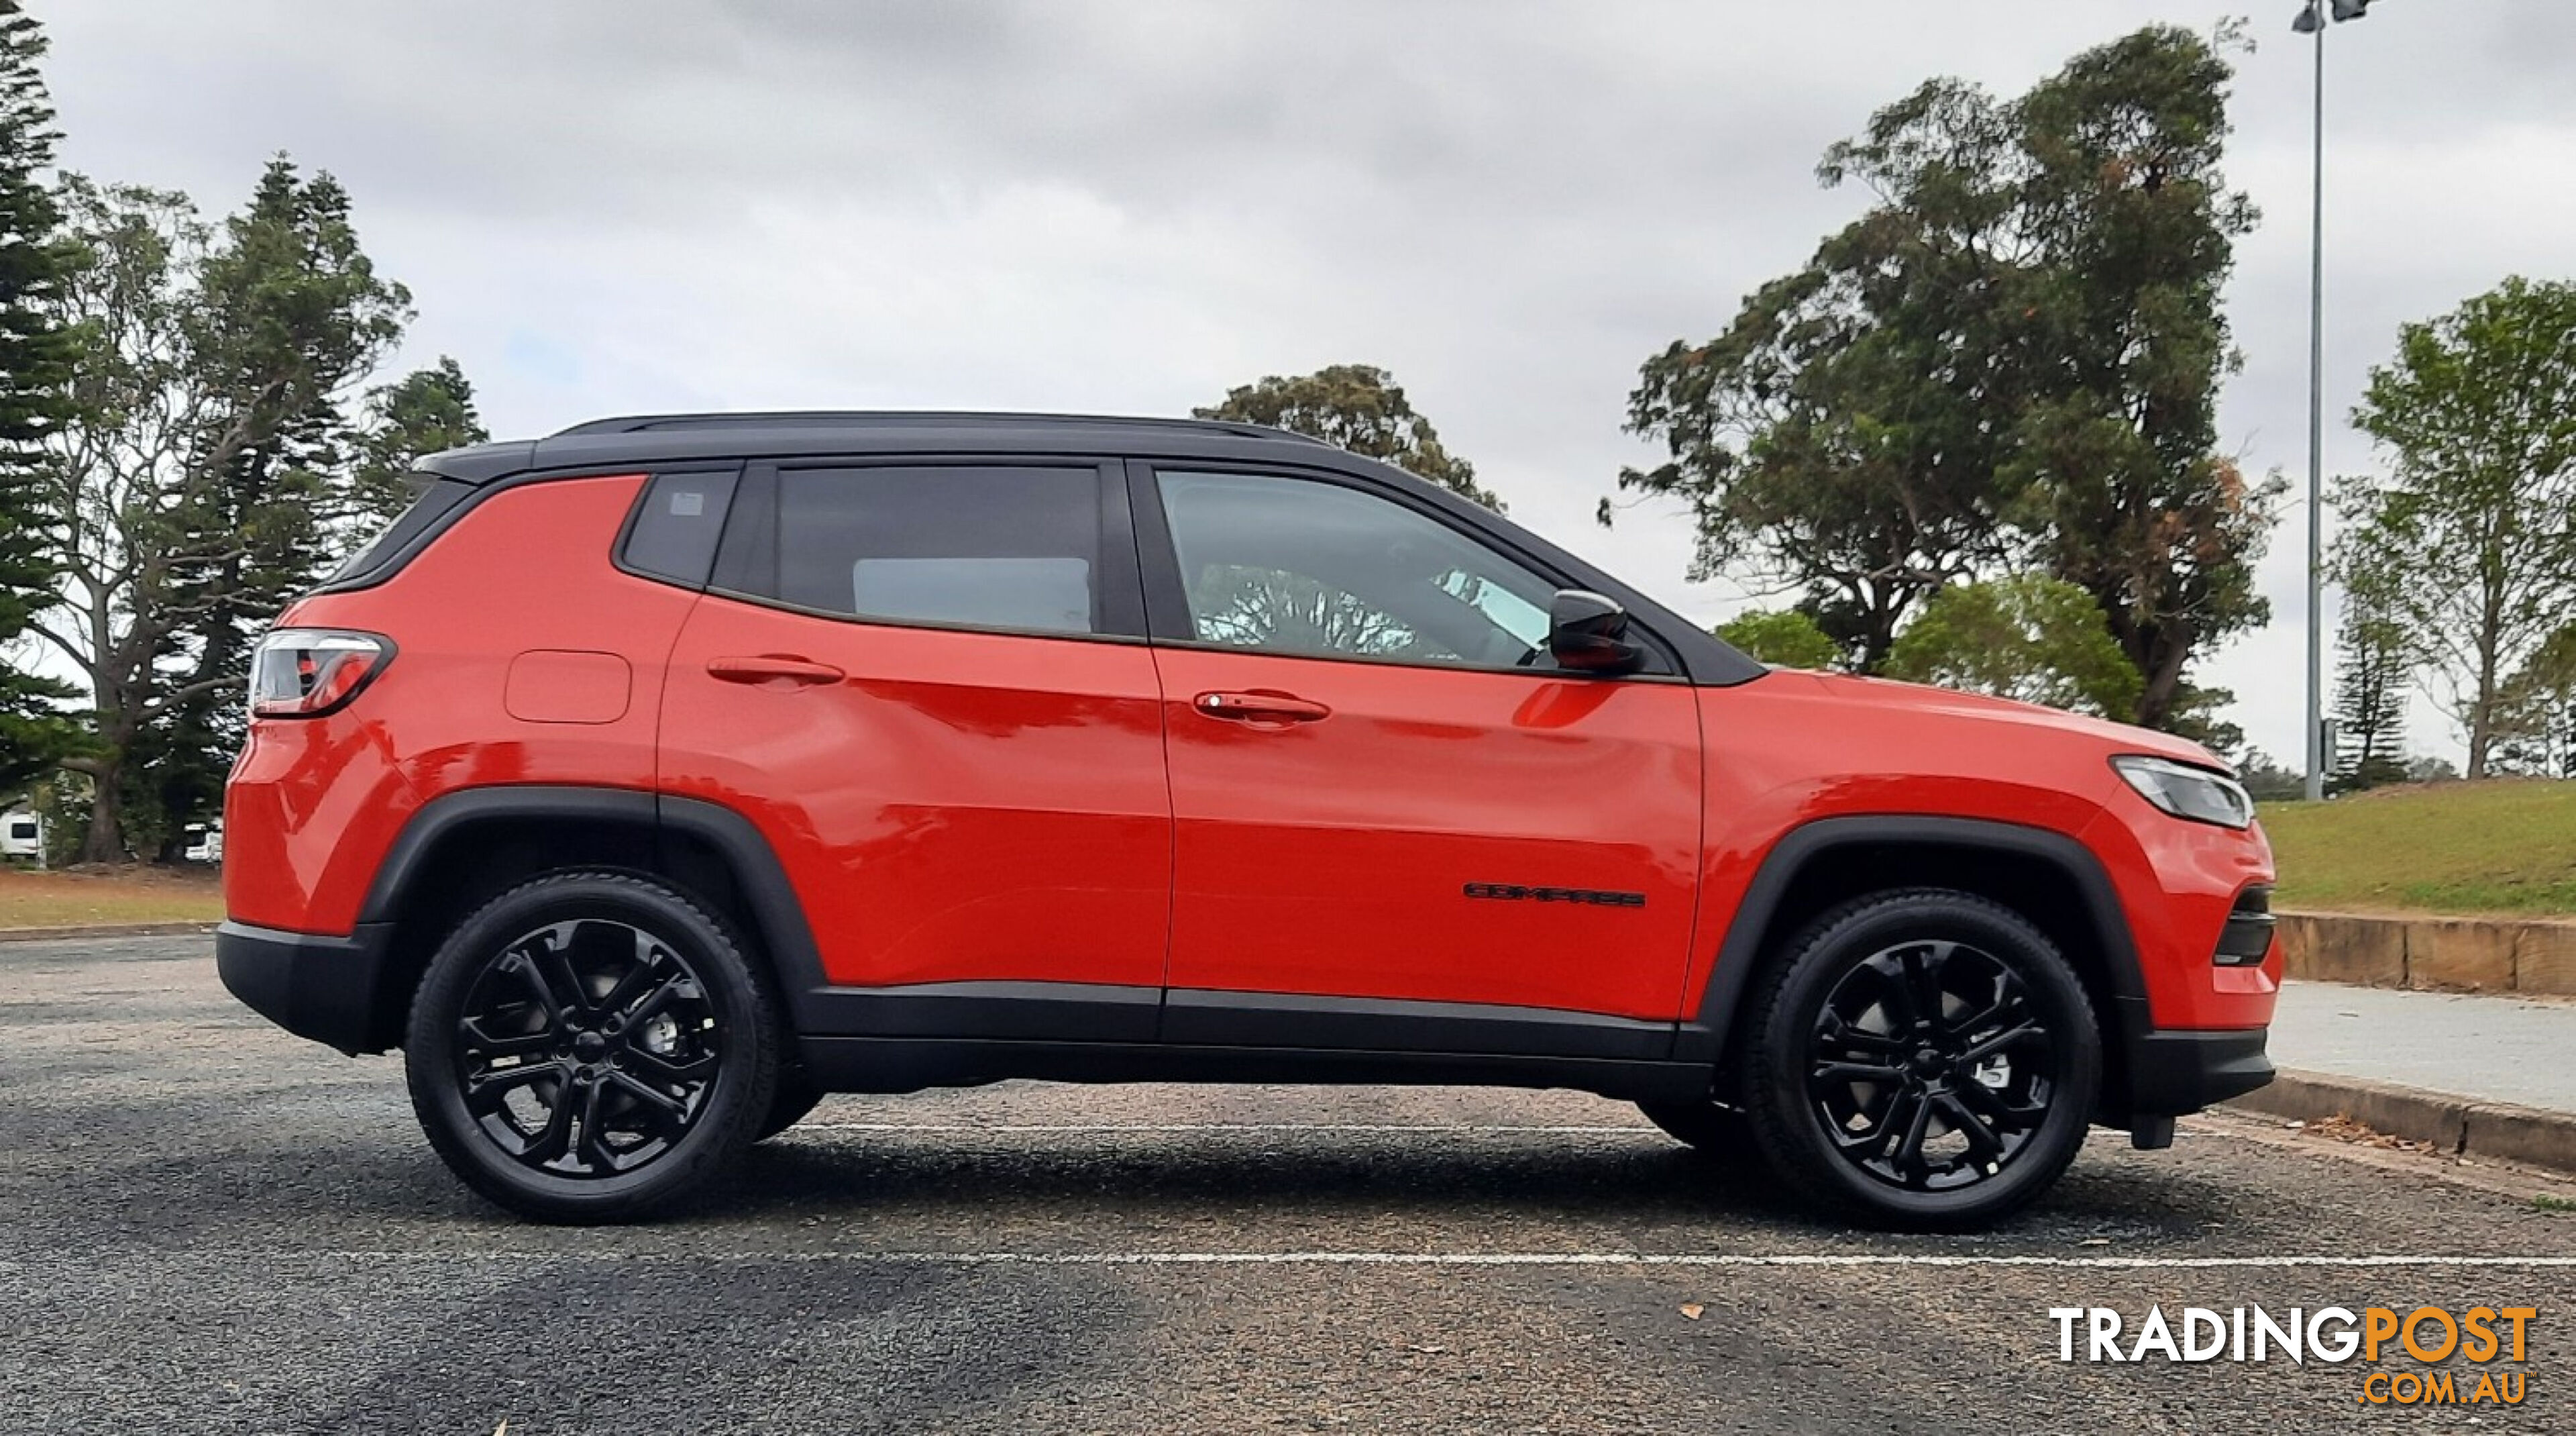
(1017, 548)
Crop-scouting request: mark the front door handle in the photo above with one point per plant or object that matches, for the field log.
(771, 667)
(1262, 707)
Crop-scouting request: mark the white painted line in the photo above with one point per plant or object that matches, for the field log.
(1452, 1129)
(1680, 1259)
(1386, 1259)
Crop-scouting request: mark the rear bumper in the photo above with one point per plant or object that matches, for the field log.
(327, 989)
(2172, 1074)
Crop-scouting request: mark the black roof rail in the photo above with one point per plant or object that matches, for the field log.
(907, 418)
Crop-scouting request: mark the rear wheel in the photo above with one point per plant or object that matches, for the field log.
(591, 1045)
(1922, 1059)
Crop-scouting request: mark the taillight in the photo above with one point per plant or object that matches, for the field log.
(307, 672)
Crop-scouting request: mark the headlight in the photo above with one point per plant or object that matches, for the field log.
(2186, 791)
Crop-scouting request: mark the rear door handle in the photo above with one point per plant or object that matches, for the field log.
(1265, 707)
(771, 667)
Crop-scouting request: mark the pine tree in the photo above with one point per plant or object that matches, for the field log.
(2370, 695)
(423, 412)
(35, 375)
(289, 296)
(272, 503)
(201, 487)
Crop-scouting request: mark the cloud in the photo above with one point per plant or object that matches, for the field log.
(606, 207)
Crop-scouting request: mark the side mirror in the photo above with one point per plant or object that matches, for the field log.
(1587, 633)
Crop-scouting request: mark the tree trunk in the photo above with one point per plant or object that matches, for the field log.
(1882, 609)
(2164, 683)
(2482, 713)
(1874, 648)
(2481, 728)
(104, 842)
(2160, 650)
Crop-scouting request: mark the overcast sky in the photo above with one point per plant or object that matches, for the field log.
(607, 206)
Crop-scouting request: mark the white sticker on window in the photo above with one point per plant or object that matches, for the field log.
(687, 504)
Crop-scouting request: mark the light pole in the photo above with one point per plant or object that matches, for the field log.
(2312, 21)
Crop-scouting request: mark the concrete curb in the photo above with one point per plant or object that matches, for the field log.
(107, 929)
(2427, 952)
(2455, 1126)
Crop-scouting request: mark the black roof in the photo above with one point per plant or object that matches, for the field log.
(667, 438)
(878, 420)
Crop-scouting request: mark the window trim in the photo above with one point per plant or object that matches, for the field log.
(1167, 606)
(1121, 595)
(440, 502)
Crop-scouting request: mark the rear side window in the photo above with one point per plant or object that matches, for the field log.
(676, 527)
(968, 545)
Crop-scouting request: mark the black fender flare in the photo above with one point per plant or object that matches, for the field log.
(1705, 1037)
(768, 900)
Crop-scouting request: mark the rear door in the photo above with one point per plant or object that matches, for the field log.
(926, 684)
(1397, 824)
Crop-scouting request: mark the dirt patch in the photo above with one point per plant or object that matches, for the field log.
(2352, 1133)
(74, 897)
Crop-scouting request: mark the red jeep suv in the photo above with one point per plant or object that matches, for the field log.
(646, 782)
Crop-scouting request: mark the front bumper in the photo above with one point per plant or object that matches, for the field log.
(2173, 1074)
(328, 989)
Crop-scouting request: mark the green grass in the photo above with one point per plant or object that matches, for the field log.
(2548, 1203)
(2500, 847)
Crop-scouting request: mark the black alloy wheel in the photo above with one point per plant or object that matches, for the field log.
(587, 1047)
(590, 1045)
(1924, 1058)
(1928, 1067)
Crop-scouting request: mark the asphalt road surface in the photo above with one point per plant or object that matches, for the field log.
(207, 1225)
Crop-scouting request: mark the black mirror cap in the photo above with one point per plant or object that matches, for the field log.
(1588, 633)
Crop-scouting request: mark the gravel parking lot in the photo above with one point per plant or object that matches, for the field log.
(212, 1226)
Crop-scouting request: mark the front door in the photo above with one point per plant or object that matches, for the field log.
(926, 684)
(1389, 807)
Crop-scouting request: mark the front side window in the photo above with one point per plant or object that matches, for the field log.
(1297, 566)
(979, 547)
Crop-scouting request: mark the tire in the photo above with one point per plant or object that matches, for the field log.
(590, 1046)
(1999, 1055)
(1703, 1126)
(796, 1096)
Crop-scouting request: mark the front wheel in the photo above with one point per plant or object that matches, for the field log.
(590, 1045)
(1922, 1059)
